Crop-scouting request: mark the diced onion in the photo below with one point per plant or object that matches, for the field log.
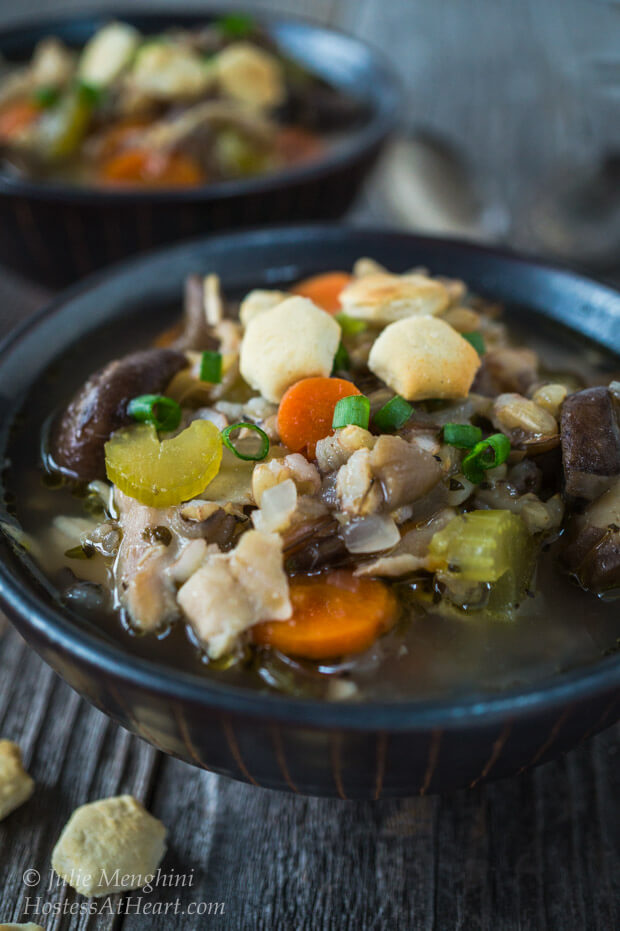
(277, 507)
(459, 490)
(371, 534)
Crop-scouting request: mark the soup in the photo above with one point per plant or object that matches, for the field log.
(362, 485)
(183, 108)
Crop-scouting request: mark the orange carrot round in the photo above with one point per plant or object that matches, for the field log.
(17, 116)
(332, 615)
(307, 409)
(142, 167)
(324, 290)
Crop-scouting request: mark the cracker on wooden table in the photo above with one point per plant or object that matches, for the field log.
(112, 845)
(25, 927)
(16, 786)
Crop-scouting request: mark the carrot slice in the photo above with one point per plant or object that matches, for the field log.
(17, 116)
(142, 167)
(307, 409)
(332, 615)
(324, 290)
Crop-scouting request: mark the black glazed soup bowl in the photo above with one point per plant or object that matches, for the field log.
(368, 750)
(57, 233)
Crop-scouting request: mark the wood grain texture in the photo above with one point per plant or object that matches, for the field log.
(535, 852)
(519, 85)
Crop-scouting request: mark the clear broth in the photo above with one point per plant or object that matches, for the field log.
(425, 655)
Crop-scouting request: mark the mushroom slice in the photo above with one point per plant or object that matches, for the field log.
(592, 545)
(590, 429)
(100, 408)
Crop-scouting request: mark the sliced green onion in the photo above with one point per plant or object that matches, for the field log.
(461, 435)
(211, 367)
(485, 455)
(352, 410)
(236, 25)
(46, 96)
(350, 326)
(341, 360)
(162, 412)
(477, 341)
(248, 457)
(393, 415)
(90, 94)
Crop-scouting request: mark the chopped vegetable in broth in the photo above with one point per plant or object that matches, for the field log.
(362, 485)
(180, 109)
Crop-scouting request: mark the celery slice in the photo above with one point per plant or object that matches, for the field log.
(482, 545)
(167, 473)
(491, 547)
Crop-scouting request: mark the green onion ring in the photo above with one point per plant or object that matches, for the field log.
(488, 454)
(211, 367)
(156, 409)
(461, 435)
(393, 415)
(354, 409)
(254, 457)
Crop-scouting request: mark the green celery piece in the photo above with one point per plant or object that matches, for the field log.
(62, 129)
(482, 545)
(489, 547)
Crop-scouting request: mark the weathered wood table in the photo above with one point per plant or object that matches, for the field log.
(535, 852)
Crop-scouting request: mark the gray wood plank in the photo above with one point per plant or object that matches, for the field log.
(75, 754)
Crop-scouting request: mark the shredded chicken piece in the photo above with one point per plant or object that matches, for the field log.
(145, 589)
(231, 592)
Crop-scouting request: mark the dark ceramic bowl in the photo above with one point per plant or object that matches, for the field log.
(57, 233)
(353, 751)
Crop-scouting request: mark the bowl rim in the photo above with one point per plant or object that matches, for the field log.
(386, 109)
(54, 629)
